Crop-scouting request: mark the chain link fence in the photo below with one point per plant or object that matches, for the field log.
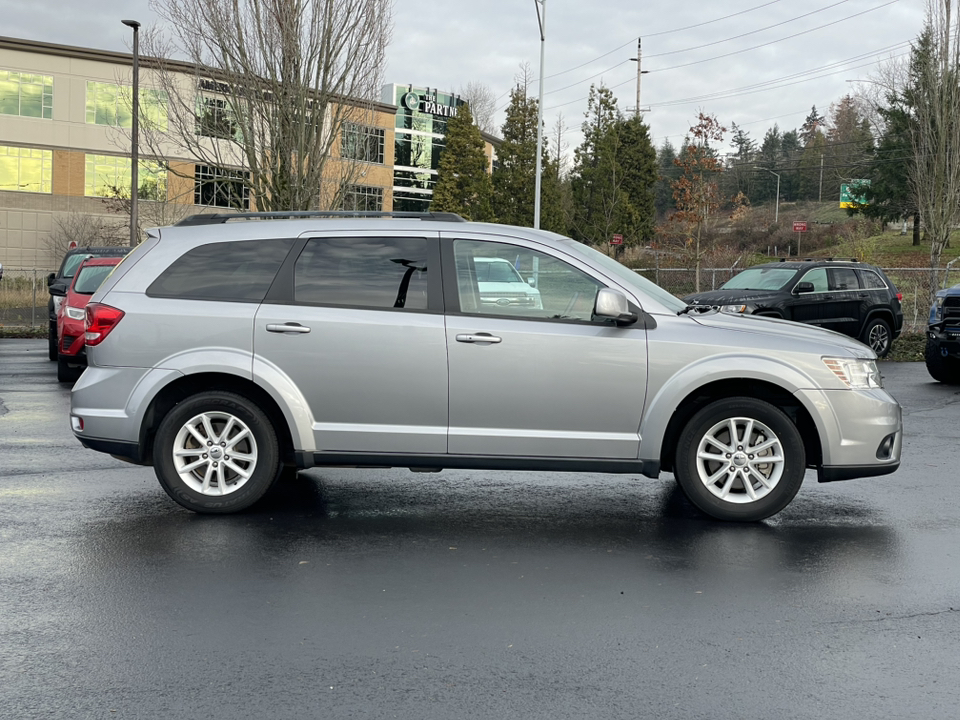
(23, 297)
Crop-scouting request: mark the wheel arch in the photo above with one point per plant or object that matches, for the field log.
(719, 389)
(187, 385)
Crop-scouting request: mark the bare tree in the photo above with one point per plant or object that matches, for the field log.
(935, 174)
(275, 98)
(84, 229)
(483, 104)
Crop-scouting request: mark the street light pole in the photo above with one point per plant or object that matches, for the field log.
(134, 152)
(776, 217)
(542, 20)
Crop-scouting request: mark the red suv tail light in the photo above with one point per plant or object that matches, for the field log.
(900, 296)
(100, 320)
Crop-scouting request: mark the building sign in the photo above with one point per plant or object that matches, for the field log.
(853, 193)
(413, 101)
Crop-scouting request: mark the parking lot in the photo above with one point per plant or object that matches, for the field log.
(470, 594)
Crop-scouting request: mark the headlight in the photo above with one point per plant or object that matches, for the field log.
(734, 309)
(857, 374)
(57, 302)
(75, 312)
(939, 310)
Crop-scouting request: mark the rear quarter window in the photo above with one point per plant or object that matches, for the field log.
(239, 271)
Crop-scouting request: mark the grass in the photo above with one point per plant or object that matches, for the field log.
(907, 348)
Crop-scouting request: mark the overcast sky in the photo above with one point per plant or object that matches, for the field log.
(752, 62)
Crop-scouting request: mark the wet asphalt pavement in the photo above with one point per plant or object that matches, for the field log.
(389, 594)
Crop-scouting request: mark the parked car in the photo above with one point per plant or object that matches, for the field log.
(58, 282)
(942, 352)
(854, 298)
(499, 283)
(228, 349)
(71, 348)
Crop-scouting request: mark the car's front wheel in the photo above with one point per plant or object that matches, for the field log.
(216, 452)
(942, 369)
(53, 352)
(67, 373)
(740, 459)
(877, 335)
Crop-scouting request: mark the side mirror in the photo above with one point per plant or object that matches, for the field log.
(532, 282)
(613, 304)
(50, 278)
(803, 287)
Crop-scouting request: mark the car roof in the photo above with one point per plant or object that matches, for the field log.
(811, 262)
(100, 261)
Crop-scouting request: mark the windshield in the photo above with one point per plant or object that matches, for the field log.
(760, 278)
(91, 278)
(496, 271)
(634, 280)
(72, 263)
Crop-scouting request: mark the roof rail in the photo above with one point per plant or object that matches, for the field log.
(220, 218)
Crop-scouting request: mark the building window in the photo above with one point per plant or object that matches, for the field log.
(26, 169)
(26, 94)
(110, 176)
(363, 197)
(359, 142)
(111, 104)
(219, 187)
(216, 119)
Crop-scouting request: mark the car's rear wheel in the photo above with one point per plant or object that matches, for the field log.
(216, 452)
(740, 459)
(877, 335)
(942, 369)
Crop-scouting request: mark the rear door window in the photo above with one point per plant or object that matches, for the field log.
(367, 272)
(239, 271)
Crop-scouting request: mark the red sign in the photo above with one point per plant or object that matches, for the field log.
(616, 240)
(800, 226)
(73, 244)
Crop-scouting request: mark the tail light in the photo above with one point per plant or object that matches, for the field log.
(100, 320)
(900, 296)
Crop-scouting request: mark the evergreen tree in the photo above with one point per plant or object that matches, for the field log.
(514, 178)
(638, 161)
(463, 185)
(745, 148)
(667, 173)
(811, 126)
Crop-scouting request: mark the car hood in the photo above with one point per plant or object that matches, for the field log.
(728, 297)
(809, 335)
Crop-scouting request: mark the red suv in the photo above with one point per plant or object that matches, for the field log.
(71, 355)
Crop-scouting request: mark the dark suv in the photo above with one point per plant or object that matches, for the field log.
(58, 282)
(942, 353)
(851, 297)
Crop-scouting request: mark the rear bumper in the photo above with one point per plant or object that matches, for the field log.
(129, 452)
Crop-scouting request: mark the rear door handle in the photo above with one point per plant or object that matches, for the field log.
(478, 338)
(290, 327)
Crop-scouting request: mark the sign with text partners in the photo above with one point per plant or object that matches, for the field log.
(852, 193)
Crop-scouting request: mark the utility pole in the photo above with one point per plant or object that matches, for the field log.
(542, 20)
(640, 72)
(820, 197)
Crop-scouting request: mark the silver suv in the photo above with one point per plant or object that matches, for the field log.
(228, 350)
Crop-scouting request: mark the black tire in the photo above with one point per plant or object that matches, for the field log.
(53, 352)
(940, 368)
(876, 333)
(731, 500)
(67, 373)
(245, 429)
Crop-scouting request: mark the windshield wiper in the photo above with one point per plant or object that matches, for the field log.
(699, 309)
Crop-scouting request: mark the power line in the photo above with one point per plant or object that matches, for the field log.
(774, 42)
(752, 32)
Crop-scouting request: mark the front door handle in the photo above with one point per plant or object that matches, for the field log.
(290, 327)
(478, 338)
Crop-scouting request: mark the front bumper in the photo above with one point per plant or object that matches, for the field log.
(946, 338)
(861, 432)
